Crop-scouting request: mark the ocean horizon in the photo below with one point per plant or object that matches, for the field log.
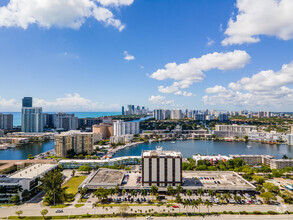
(17, 115)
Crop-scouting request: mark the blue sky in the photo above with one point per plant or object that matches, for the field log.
(74, 61)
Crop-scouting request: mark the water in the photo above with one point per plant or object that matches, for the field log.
(17, 115)
(21, 153)
(191, 147)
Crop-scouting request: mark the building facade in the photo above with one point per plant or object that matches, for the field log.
(31, 119)
(161, 168)
(176, 114)
(76, 141)
(27, 102)
(65, 121)
(6, 121)
(233, 130)
(122, 127)
(106, 130)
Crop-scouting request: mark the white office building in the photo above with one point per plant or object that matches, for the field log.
(176, 114)
(161, 168)
(122, 127)
(159, 114)
(32, 119)
(233, 130)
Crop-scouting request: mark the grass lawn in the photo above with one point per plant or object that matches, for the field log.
(60, 206)
(78, 205)
(73, 183)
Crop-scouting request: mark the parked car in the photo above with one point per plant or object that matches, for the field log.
(59, 211)
(175, 206)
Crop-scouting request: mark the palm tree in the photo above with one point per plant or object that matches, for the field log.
(208, 204)
(25, 194)
(194, 204)
(211, 192)
(116, 190)
(123, 192)
(133, 193)
(186, 204)
(199, 202)
(179, 189)
(18, 213)
(170, 191)
(200, 191)
(143, 192)
(154, 190)
(189, 193)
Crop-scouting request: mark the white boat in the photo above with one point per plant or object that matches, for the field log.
(248, 146)
(172, 142)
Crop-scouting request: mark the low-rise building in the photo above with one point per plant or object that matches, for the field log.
(212, 159)
(161, 168)
(233, 130)
(264, 136)
(25, 179)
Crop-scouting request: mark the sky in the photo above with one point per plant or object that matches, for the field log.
(98, 55)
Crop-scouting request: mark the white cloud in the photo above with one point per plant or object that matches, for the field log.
(216, 89)
(266, 88)
(261, 17)
(186, 74)
(9, 105)
(70, 55)
(55, 13)
(141, 66)
(210, 42)
(160, 100)
(71, 102)
(266, 80)
(115, 2)
(128, 56)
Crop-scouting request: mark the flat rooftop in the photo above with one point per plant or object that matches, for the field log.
(33, 171)
(159, 152)
(106, 177)
(216, 180)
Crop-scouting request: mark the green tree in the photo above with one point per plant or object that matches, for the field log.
(258, 179)
(133, 193)
(117, 190)
(271, 187)
(268, 196)
(143, 192)
(52, 185)
(179, 189)
(194, 204)
(211, 192)
(101, 193)
(199, 202)
(186, 203)
(14, 199)
(178, 199)
(245, 138)
(85, 168)
(73, 173)
(189, 193)
(208, 204)
(18, 213)
(200, 191)
(44, 212)
(154, 189)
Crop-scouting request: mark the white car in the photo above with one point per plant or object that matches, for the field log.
(149, 217)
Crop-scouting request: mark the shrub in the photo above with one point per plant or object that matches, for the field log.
(257, 213)
(272, 213)
(244, 213)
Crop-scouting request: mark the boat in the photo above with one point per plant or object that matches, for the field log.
(248, 146)
(172, 142)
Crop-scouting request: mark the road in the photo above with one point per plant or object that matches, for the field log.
(35, 209)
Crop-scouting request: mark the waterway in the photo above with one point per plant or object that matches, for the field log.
(21, 153)
(186, 147)
(191, 147)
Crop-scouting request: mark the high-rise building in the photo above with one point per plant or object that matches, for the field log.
(199, 117)
(48, 120)
(65, 121)
(122, 127)
(105, 130)
(32, 119)
(123, 111)
(161, 168)
(27, 102)
(223, 117)
(75, 141)
(176, 114)
(6, 121)
(158, 114)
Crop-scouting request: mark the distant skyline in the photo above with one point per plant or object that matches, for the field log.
(100, 55)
